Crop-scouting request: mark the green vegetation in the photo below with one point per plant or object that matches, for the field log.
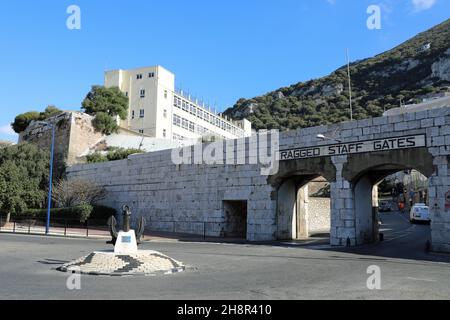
(22, 121)
(380, 83)
(112, 154)
(106, 104)
(105, 123)
(24, 172)
(80, 213)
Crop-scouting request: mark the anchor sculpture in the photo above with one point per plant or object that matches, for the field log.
(126, 240)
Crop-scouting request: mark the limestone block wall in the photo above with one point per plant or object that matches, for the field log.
(184, 198)
(164, 192)
(82, 136)
(319, 215)
(318, 208)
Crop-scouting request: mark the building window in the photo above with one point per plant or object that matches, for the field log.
(142, 93)
(164, 133)
(151, 75)
(139, 76)
(191, 126)
(184, 124)
(141, 131)
(165, 94)
(141, 113)
(165, 113)
(176, 120)
(132, 114)
(126, 94)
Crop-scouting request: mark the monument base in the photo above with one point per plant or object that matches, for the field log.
(126, 243)
(108, 263)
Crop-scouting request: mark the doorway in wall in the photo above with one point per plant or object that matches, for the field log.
(235, 212)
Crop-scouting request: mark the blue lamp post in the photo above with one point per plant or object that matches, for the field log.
(50, 179)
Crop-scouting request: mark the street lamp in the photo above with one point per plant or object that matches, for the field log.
(50, 179)
(322, 137)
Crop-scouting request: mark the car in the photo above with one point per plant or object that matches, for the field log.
(385, 207)
(420, 212)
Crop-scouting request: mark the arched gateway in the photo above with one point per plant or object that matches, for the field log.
(362, 155)
(238, 199)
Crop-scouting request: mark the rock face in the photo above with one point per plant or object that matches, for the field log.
(331, 90)
(441, 68)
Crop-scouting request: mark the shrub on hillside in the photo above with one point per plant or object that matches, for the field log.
(113, 154)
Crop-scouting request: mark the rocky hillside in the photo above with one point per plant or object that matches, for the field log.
(407, 73)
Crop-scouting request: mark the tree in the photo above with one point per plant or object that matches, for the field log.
(23, 178)
(22, 121)
(105, 123)
(106, 104)
(75, 192)
(49, 112)
(106, 100)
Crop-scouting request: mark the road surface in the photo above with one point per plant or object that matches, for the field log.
(237, 271)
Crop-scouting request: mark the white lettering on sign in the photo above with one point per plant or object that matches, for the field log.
(385, 144)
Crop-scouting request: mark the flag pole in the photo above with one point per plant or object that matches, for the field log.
(349, 86)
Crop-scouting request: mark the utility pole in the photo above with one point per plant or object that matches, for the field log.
(349, 86)
(50, 178)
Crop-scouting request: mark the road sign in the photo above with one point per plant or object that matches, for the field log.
(386, 144)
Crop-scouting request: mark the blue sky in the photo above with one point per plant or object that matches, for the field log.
(219, 50)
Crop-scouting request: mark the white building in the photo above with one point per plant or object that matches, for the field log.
(157, 110)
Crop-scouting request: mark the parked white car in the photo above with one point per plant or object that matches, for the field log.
(420, 212)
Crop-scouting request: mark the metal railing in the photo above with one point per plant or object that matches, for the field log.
(99, 228)
(205, 229)
(58, 226)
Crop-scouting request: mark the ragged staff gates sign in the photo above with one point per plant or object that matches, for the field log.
(386, 144)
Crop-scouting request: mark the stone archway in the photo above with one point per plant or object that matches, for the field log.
(365, 171)
(291, 185)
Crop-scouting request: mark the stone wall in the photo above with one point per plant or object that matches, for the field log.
(165, 193)
(74, 135)
(161, 191)
(319, 215)
(82, 136)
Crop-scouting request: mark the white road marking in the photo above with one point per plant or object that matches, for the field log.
(418, 279)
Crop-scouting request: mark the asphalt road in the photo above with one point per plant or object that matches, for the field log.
(236, 271)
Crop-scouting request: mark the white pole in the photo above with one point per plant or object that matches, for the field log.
(349, 86)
